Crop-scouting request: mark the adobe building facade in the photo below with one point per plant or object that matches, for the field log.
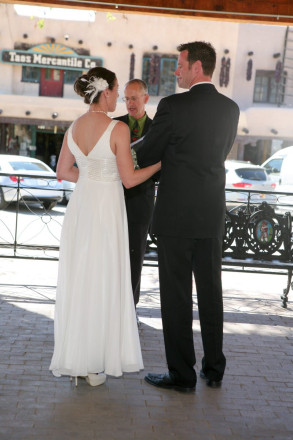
(40, 59)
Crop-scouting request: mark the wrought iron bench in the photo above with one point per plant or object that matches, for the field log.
(256, 240)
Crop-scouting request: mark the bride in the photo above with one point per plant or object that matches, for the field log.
(95, 327)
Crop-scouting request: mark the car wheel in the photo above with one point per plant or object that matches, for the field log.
(48, 205)
(3, 204)
(64, 200)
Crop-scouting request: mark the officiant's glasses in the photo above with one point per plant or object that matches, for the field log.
(132, 98)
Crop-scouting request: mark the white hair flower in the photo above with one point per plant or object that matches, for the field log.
(95, 85)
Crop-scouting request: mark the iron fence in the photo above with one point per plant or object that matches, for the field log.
(29, 226)
(31, 229)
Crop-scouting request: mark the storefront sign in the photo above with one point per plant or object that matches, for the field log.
(51, 55)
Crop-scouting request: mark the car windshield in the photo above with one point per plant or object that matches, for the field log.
(28, 166)
(251, 174)
(274, 165)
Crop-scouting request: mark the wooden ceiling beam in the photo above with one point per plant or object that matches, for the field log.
(261, 11)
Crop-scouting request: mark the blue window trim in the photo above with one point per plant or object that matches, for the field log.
(156, 89)
(25, 78)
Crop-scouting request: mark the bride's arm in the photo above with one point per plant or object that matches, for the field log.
(66, 170)
(121, 147)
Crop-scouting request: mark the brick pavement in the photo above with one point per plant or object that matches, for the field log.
(254, 403)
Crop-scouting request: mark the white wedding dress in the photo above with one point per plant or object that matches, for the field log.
(95, 322)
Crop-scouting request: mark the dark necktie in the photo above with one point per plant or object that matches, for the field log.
(134, 132)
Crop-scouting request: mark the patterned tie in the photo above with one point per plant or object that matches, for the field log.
(134, 132)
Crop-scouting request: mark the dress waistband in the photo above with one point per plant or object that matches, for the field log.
(99, 170)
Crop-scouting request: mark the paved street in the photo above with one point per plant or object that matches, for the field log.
(254, 403)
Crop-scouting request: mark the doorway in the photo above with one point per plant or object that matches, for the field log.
(51, 82)
(48, 145)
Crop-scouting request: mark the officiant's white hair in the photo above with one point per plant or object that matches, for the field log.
(140, 82)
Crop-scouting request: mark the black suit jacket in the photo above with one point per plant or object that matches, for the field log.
(192, 134)
(139, 200)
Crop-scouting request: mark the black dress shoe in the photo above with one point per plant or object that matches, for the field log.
(166, 381)
(210, 383)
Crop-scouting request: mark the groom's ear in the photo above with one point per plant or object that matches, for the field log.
(197, 67)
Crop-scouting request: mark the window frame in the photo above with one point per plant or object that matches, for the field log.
(28, 78)
(158, 89)
(273, 91)
(72, 79)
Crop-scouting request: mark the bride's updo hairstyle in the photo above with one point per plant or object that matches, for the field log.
(93, 83)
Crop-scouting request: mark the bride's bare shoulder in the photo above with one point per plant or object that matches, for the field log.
(121, 127)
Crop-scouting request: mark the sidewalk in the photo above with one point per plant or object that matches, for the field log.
(254, 403)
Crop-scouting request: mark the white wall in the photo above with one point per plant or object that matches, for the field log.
(263, 41)
(144, 32)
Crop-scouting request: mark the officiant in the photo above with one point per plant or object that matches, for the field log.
(140, 199)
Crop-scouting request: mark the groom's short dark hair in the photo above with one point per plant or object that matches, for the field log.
(200, 51)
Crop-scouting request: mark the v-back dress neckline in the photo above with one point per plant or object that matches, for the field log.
(100, 138)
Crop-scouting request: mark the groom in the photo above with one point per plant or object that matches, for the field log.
(192, 134)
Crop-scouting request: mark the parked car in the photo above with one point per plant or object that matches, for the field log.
(68, 187)
(34, 181)
(246, 176)
(280, 169)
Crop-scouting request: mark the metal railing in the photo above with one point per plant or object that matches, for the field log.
(29, 227)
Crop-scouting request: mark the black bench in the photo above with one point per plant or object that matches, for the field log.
(257, 240)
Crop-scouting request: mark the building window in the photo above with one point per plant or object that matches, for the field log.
(52, 74)
(70, 76)
(266, 89)
(30, 74)
(158, 73)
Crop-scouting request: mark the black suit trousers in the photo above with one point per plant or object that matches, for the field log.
(137, 246)
(179, 258)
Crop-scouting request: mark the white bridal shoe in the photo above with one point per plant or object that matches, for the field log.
(92, 379)
(96, 379)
